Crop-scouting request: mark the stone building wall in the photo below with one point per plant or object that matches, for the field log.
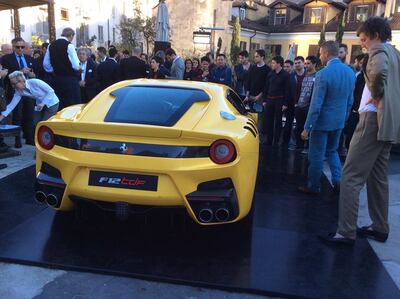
(187, 16)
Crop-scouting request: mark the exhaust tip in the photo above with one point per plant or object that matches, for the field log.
(206, 215)
(52, 200)
(222, 214)
(40, 196)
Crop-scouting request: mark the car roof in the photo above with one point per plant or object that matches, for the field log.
(211, 88)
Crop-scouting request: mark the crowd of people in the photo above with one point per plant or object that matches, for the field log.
(336, 107)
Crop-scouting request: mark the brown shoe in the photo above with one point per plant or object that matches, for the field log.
(332, 238)
(367, 232)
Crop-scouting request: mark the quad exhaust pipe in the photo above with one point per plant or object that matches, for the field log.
(40, 196)
(222, 214)
(51, 199)
(206, 215)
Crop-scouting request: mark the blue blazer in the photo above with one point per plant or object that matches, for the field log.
(332, 97)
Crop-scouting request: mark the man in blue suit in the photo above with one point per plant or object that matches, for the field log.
(330, 105)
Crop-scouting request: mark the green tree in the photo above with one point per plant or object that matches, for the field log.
(137, 28)
(235, 42)
(130, 30)
(321, 38)
(149, 32)
(340, 27)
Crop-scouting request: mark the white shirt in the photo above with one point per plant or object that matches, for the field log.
(83, 65)
(72, 56)
(36, 89)
(366, 96)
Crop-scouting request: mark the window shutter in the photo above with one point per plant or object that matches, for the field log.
(271, 16)
(371, 10)
(323, 15)
(278, 49)
(352, 15)
(307, 15)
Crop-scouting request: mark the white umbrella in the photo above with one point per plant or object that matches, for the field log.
(291, 54)
(162, 23)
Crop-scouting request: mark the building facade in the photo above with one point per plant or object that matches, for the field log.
(299, 23)
(273, 25)
(95, 22)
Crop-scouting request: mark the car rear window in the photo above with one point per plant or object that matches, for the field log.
(152, 105)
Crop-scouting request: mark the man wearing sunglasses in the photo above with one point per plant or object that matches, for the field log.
(23, 113)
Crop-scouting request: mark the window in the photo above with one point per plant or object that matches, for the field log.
(243, 46)
(280, 17)
(316, 15)
(313, 50)
(254, 46)
(242, 13)
(64, 14)
(355, 51)
(362, 13)
(113, 34)
(398, 6)
(274, 50)
(100, 33)
(159, 106)
(42, 27)
(236, 101)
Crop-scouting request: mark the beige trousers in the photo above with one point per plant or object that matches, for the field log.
(366, 162)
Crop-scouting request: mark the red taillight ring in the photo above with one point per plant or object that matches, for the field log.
(46, 137)
(222, 151)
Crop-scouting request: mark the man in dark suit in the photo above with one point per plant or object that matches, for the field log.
(23, 113)
(133, 67)
(108, 71)
(39, 69)
(88, 82)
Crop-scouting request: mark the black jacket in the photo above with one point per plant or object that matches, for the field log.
(132, 68)
(10, 62)
(107, 73)
(91, 84)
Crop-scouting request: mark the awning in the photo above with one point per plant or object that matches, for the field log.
(13, 4)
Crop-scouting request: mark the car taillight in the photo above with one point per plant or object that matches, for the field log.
(46, 137)
(222, 151)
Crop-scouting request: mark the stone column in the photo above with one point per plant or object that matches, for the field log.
(17, 25)
(52, 23)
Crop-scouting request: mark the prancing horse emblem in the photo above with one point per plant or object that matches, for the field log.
(123, 148)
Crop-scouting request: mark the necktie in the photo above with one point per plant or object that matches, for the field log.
(21, 63)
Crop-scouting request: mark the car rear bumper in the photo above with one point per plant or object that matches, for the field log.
(177, 182)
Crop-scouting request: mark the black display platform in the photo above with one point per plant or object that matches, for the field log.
(280, 257)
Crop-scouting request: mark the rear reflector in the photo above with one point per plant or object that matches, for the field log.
(46, 138)
(222, 151)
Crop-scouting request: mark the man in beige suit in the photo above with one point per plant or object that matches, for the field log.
(378, 128)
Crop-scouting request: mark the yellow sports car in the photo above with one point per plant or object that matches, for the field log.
(152, 143)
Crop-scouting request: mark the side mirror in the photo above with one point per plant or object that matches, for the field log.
(255, 108)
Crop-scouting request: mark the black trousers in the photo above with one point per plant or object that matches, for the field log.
(287, 130)
(67, 90)
(301, 117)
(22, 116)
(273, 120)
(350, 127)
